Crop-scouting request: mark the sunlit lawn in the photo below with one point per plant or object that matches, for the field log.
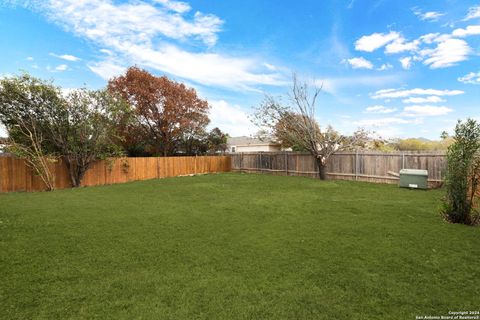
(234, 246)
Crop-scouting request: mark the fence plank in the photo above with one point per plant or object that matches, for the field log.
(362, 166)
(15, 175)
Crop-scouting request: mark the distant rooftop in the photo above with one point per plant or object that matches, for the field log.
(244, 140)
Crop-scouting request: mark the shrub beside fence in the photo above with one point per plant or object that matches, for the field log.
(15, 175)
(361, 166)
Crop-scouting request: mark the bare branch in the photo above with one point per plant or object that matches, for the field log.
(295, 125)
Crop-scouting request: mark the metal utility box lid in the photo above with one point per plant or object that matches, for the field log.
(414, 172)
(414, 178)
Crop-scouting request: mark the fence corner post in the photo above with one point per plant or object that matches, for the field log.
(286, 162)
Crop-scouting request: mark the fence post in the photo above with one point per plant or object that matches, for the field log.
(195, 169)
(356, 164)
(403, 160)
(286, 163)
(241, 161)
(261, 164)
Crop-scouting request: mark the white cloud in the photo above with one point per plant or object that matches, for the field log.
(140, 32)
(62, 67)
(106, 51)
(205, 68)
(388, 132)
(429, 37)
(396, 93)
(334, 85)
(67, 57)
(379, 109)
(270, 67)
(374, 41)
(425, 111)
(468, 31)
(473, 12)
(106, 69)
(447, 53)
(400, 45)
(471, 78)
(383, 122)
(429, 99)
(428, 16)
(30, 58)
(133, 21)
(433, 49)
(406, 62)
(177, 6)
(442, 37)
(230, 119)
(360, 63)
(385, 66)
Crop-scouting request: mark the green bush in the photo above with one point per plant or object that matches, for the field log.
(463, 174)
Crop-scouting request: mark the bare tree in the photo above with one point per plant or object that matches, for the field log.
(294, 125)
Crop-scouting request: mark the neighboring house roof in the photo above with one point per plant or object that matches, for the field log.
(247, 141)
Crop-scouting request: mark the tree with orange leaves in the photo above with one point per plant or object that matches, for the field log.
(165, 111)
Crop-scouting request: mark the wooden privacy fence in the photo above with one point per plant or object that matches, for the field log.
(362, 166)
(15, 175)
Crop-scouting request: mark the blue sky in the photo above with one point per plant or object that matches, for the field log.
(399, 68)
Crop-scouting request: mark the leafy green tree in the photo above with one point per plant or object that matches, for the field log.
(25, 111)
(84, 129)
(43, 124)
(193, 142)
(217, 141)
(444, 135)
(463, 174)
(202, 142)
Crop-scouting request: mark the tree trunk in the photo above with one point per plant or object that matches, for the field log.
(73, 174)
(80, 175)
(75, 171)
(322, 172)
(322, 168)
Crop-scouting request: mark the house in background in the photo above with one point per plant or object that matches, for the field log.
(248, 144)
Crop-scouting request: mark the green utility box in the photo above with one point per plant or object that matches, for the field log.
(413, 178)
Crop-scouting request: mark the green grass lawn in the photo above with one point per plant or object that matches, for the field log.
(234, 246)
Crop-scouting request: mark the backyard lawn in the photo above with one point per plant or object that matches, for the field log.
(234, 246)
